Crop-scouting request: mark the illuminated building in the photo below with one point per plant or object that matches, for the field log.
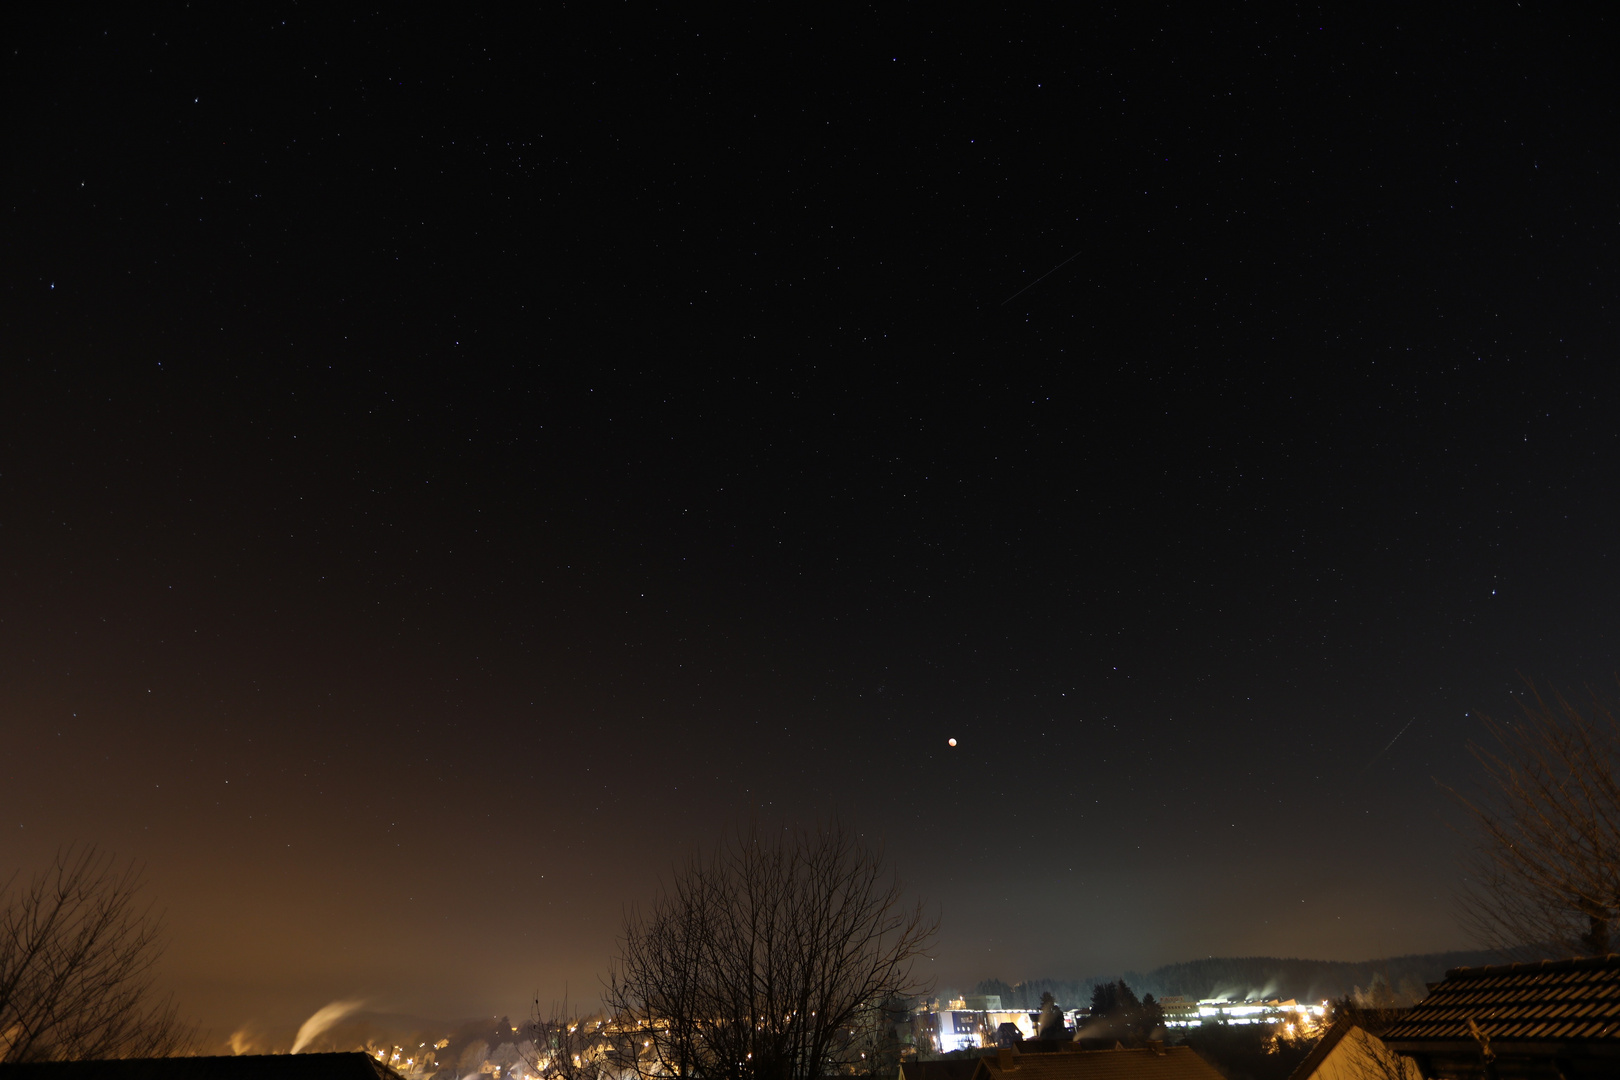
(978, 1002)
(952, 1029)
(1269, 1011)
(959, 1027)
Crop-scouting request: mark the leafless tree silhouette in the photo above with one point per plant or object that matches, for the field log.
(1545, 870)
(569, 1047)
(775, 958)
(77, 953)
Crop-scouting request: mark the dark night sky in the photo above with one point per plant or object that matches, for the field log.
(450, 467)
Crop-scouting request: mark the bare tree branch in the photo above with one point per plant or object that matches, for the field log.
(1545, 867)
(773, 958)
(77, 953)
(569, 1047)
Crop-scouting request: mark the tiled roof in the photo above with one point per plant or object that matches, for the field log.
(245, 1067)
(1560, 1001)
(1170, 1063)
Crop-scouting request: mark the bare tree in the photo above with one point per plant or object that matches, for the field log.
(1545, 871)
(568, 1047)
(775, 958)
(77, 953)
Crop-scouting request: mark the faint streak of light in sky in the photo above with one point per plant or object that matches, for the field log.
(1042, 278)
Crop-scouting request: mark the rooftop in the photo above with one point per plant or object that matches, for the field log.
(1167, 1063)
(1554, 1001)
(244, 1067)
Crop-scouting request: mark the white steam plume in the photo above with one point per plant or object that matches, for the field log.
(324, 1017)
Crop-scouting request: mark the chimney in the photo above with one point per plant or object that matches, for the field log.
(1004, 1057)
(1157, 1046)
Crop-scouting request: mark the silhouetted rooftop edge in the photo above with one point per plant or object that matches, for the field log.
(1519, 1008)
(1163, 1063)
(1573, 963)
(351, 1066)
(1324, 1046)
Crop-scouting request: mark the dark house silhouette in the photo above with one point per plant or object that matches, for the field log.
(244, 1067)
(961, 1068)
(1153, 1062)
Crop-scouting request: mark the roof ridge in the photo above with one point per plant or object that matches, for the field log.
(1324, 1046)
(1572, 963)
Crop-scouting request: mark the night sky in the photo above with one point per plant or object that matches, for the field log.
(450, 467)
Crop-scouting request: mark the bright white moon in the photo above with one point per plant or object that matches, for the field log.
(951, 741)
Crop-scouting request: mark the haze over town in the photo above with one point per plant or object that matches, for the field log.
(456, 469)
